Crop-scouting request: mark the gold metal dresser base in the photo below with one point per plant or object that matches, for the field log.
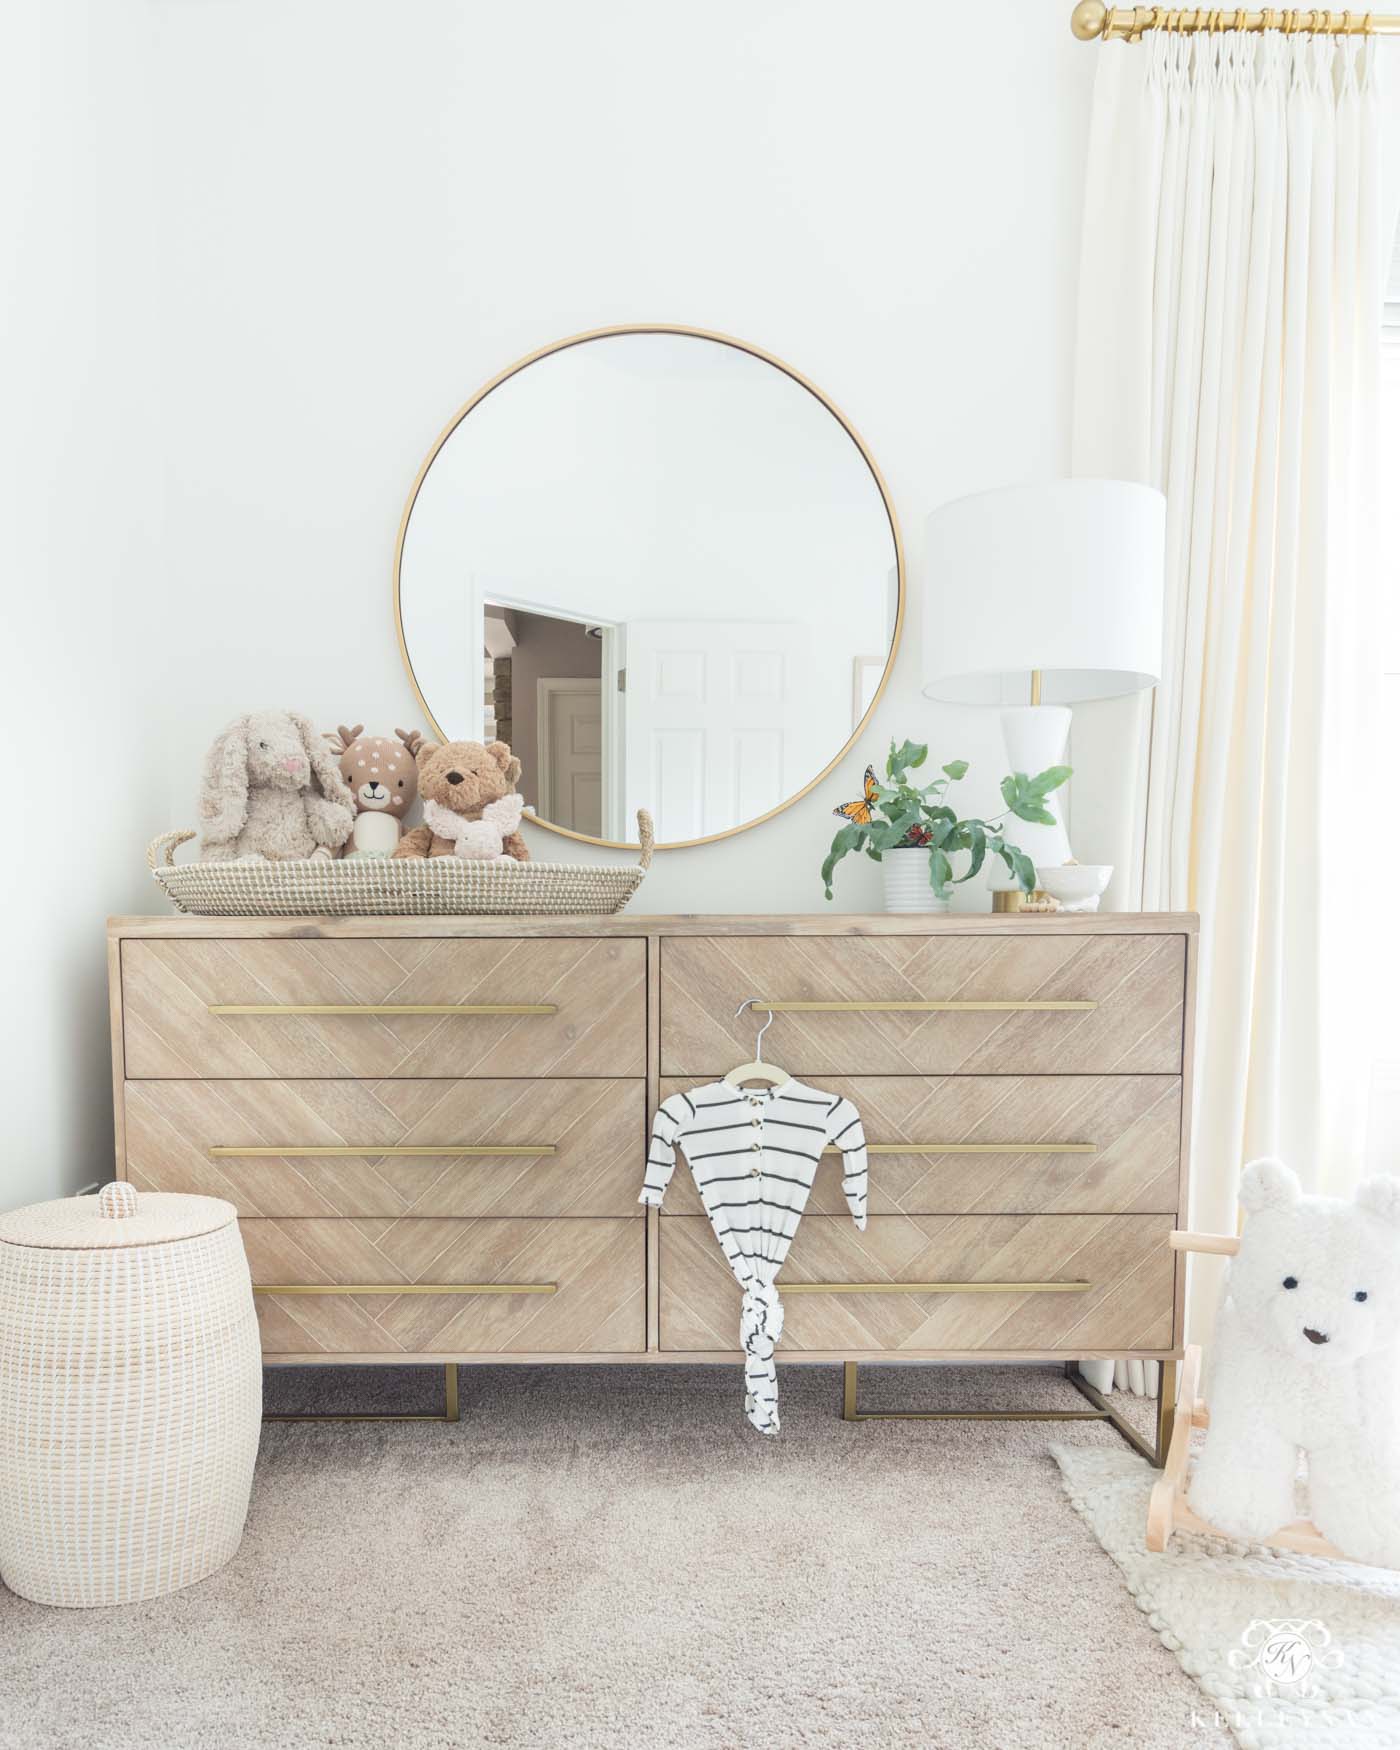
(1102, 1411)
(450, 1412)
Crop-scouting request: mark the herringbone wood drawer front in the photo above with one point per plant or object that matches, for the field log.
(226, 1139)
(1118, 1269)
(545, 1287)
(588, 996)
(1105, 1144)
(1014, 1003)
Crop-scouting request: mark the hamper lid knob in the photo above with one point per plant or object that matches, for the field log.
(117, 1200)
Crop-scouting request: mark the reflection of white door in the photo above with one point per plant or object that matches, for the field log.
(716, 721)
(570, 748)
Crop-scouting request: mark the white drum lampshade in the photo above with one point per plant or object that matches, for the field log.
(1036, 596)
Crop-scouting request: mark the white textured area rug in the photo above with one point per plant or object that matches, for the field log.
(1293, 1652)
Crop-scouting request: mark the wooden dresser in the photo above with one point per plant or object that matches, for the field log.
(434, 1129)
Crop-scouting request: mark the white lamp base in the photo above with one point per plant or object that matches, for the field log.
(1035, 737)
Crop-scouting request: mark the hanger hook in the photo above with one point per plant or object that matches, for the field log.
(756, 1003)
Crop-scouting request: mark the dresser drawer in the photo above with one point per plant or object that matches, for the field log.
(395, 1148)
(492, 1286)
(1012, 1145)
(402, 1006)
(1013, 1002)
(1075, 1283)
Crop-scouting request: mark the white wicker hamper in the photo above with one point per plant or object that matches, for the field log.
(130, 1395)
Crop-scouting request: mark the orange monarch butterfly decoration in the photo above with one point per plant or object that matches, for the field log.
(860, 812)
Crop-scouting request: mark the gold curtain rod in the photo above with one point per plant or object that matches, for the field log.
(1093, 21)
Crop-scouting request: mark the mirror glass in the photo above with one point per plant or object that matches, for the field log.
(661, 568)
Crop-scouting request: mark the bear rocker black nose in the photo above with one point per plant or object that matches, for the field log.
(1314, 1336)
(454, 777)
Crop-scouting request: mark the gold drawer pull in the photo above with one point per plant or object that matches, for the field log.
(383, 1008)
(450, 1149)
(976, 1148)
(877, 1008)
(933, 1287)
(406, 1288)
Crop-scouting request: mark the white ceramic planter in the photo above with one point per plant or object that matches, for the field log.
(906, 881)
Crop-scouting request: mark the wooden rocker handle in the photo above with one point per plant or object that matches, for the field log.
(1223, 1245)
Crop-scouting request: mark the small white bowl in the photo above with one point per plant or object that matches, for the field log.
(1077, 886)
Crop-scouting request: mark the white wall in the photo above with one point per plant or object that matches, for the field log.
(88, 622)
(369, 210)
(362, 211)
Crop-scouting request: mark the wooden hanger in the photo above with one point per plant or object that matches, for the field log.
(758, 1070)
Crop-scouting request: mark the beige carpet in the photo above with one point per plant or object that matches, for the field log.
(605, 1557)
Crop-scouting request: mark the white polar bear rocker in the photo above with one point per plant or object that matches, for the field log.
(1306, 1354)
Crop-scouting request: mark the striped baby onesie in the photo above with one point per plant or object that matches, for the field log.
(753, 1153)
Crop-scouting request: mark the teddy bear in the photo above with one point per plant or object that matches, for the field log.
(383, 780)
(469, 804)
(1306, 1354)
(272, 791)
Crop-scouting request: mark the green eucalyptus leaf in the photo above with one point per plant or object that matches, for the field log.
(1050, 779)
(977, 844)
(956, 769)
(907, 754)
(847, 839)
(940, 873)
(889, 834)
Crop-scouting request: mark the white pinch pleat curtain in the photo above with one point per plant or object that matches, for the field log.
(1228, 338)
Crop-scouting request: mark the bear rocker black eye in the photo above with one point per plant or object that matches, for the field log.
(1290, 1282)
(1360, 1294)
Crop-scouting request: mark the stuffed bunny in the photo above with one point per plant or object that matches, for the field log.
(272, 789)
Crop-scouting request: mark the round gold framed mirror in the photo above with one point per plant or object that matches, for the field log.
(663, 566)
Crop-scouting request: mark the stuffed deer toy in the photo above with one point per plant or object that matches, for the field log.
(272, 790)
(383, 779)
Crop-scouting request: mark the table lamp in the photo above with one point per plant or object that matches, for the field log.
(1035, 596)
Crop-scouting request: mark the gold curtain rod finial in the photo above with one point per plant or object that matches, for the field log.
(1088, 19)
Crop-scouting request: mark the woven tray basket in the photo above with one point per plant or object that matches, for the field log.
(389, 887)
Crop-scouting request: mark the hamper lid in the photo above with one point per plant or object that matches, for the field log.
(116, 1217)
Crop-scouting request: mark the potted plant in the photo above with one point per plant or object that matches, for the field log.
(903, 825)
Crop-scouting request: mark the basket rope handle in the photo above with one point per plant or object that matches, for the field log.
(169, 842)
(646, 832)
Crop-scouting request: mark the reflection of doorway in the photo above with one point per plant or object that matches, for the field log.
(570, 752)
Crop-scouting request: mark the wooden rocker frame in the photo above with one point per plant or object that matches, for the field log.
(1168, 1509)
